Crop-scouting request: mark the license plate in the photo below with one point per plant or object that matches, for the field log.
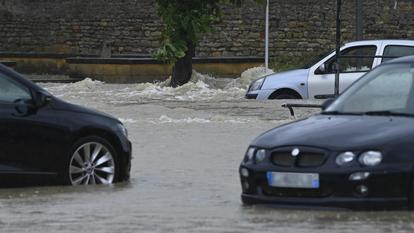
(293, 180)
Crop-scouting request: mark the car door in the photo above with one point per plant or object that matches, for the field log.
(30, 136)
(355, 61)
(13, 97)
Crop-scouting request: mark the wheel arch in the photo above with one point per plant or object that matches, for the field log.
(289, 91)
(112, 139)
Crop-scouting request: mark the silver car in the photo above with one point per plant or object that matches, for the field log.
(317, 80)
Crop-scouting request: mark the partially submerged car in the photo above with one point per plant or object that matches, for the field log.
(358, 153)
(47, 140)
(317, 80)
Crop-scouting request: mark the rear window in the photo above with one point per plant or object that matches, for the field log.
(394, 51)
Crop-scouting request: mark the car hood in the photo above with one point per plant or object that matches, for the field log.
(292, 75)
(339, 133)
(59, 104)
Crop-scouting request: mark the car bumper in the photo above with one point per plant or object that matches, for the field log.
(126, 155)
(387, 189)
(259, 94)
(329, 202)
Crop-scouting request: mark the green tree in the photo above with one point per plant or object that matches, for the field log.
(185, 21)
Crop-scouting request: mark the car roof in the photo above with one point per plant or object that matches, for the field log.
(365, 42)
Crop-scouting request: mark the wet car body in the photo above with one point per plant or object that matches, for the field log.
(312, 146)
(38, 134)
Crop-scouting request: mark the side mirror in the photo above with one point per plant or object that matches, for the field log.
(41, 98)
(321, 69)
(327, 103)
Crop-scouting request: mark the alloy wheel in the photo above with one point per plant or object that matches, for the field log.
(92, 163)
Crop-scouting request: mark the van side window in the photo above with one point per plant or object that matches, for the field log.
(10, 90)
(394, 51)
(355, 59)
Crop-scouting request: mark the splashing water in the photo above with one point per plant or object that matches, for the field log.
(248, 76)
(201, 87)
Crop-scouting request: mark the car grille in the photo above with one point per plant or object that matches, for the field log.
(307, 158)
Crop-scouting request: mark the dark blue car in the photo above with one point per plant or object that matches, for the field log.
(358, 153)
(44, 139)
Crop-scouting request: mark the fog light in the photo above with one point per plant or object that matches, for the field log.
(359, 176)
(244, 172)
(362, 189)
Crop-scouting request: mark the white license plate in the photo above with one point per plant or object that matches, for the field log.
(293, 180)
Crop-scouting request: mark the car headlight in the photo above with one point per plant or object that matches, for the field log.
(255, 155)
(122, 129)
(345, 158)
(260, 155)
(257, 85)
(370, 158)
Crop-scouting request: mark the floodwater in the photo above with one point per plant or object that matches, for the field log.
(188, 143)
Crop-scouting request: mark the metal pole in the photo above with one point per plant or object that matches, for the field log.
(338, 44)
(267, 37)
(359, 20)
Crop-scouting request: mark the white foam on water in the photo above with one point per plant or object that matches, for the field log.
(127, 120)
(248, 76)
(87, 83)
(164, 119)
(200, 87)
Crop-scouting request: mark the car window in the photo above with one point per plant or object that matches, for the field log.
(389, 88)
(10, 90)
(355, 59)
(394, 51)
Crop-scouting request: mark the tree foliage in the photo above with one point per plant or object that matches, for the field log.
(185, 21)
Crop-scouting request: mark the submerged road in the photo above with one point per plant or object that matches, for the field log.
(188, 144)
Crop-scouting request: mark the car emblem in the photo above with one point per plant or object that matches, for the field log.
(295, 152)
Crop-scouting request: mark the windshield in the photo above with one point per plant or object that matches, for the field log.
(386, 90)
(316, 59)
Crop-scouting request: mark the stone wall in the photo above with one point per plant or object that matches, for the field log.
(93, 27)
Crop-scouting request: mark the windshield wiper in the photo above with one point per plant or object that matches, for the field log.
(387, 113)
(339, 113)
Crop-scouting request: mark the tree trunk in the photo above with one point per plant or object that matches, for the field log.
(183, 68)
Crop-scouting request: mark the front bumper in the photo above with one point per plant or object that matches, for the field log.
(329, 202)
(259, 94)
(387, 189)
(126, 157)
(251, 96)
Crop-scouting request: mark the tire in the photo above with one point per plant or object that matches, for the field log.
(92, 160)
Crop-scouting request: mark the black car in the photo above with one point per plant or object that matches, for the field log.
(358, 153)
(44, 139)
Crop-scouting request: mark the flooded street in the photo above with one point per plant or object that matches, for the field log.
(188, 144)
